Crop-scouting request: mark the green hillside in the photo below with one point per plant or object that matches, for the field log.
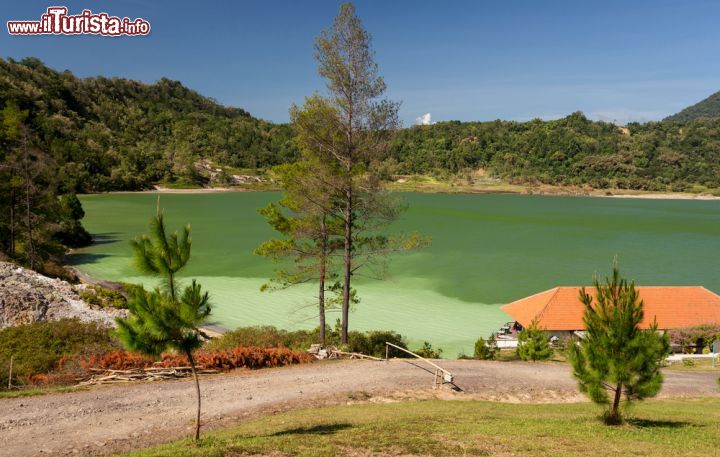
(119, 134)
(706, 109)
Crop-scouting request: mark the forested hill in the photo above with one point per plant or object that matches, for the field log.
(708, 109)
(658, 156)
(113, 134)
(117, 134)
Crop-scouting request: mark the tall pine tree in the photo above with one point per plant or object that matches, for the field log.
(166, 318)
(349, 130)
(617, 357)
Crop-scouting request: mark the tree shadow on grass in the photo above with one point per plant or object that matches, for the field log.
(648, 423)
(323, 429)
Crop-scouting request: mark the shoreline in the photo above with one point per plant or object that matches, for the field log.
(212, 329)
(508, 189)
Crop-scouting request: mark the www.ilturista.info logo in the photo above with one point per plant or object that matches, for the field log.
(57, 22)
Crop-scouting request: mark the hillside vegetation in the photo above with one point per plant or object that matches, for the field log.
(708, 108)
(657, 156)
(117, 134)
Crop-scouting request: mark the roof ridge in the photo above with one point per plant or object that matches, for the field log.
(539, 315)
(531, 296)
(712, 292)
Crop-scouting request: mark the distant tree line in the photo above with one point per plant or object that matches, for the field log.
(117, 134)
(657, 156)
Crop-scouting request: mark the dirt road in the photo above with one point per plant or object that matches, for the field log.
(108, 419)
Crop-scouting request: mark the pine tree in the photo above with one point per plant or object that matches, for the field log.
(616, 357)
(306, 217)
(349, 130)
(166, 318)
(485, 350)
(533, 343)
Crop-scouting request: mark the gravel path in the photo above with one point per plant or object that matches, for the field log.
(109, 419)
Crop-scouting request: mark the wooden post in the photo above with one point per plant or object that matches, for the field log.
(441, 375)
(10, 375)
(387, 351)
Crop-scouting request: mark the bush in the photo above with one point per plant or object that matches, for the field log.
(485, 350)
(71, 369)
(533, 344)
(687, 338)
(373, 343)
(369, 343)
(265, 336)
(37, 348)
(428, 352)
(103, 297)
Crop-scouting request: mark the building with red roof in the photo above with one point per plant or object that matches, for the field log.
(559, 310)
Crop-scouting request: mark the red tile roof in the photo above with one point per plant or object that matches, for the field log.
(673, 307)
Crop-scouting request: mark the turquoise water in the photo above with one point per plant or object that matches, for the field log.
(487, 250)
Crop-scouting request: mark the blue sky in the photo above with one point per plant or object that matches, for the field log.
(464, 60)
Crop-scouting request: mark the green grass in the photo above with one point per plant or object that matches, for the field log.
(450, 428)
(694, 365)
(36, 391)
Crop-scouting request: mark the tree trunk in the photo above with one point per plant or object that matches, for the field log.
(614, 417)
(197, 393)
(347, 258)
(323, 272)
(28, 206)
(12, 220)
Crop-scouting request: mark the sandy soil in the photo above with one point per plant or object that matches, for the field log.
(110, 419)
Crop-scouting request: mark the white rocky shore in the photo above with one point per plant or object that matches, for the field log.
(27, 297)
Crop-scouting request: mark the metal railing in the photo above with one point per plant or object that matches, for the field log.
(441, 374)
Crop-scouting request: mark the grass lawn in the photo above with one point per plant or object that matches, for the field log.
(694, 365)
(451, 428)
(34, 391)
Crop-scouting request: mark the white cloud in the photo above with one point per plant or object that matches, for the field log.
(425, 119)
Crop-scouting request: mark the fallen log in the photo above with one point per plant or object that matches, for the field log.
(148, 374)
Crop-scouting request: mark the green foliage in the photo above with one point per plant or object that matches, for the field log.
(572, 151)
(369, 343)
(164, 319)
(688, 338)
(373, 343)
(485, 350)
(428, 351)
(103, 297)
(265, 336)
(37, 348)
(533, 343)
(118, 134)
(39, 218)
(616, 356)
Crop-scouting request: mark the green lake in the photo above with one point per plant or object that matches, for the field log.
(487, 250)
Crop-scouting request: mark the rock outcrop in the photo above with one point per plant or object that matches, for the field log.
(27, 297)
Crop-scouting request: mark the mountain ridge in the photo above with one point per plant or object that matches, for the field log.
(708, 108)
